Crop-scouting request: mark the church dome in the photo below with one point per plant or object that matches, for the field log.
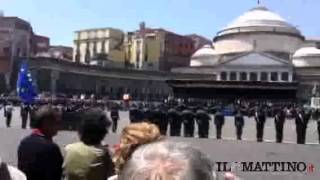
(203, 56)
(307, 57)
(206, 50)
(307, 52)
(259, 19)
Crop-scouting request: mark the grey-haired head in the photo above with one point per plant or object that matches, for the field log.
(167, 160)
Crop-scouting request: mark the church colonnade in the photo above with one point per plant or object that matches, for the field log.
(267, 76)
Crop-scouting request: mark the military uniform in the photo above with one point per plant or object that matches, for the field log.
(133, 112)
(24, 111)
(175, 121)
(260, 118)
(203, 123)
(239, 123)
(155, 117)
(279, 120)
(164, 122)
(114, 114)
(318, 123)
(148, 115)
(8, 114)
(219, 122)
(317, 118)
(188, 122)
(302, 119)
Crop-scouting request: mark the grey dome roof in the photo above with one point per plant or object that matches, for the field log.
(307, 57)
(206, 50)
(205, 56)
(259, 19)
(307, 52)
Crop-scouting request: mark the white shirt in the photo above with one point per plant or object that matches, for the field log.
(16, 174)
(115, 177)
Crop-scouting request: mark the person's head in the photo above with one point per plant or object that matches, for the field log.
(165, 160)
(47, 119)
(93, 127)
(133, 136)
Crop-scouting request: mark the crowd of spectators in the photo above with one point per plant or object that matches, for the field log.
(142, 153)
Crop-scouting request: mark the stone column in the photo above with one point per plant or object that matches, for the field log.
(258, 76)
(98, 87)
(238, 76)
(248, 76)
(228, 76)
(269, 76)
(54, 78)
(290, 77)
(219, 76)
(279, 76)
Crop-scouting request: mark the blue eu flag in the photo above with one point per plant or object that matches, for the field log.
(25, 86)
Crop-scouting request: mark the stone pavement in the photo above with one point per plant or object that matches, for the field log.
(227, 150)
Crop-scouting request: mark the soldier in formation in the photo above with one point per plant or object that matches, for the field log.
(136, 114)
(301, 118)
(203, 121)
(159, 118)
(8, 113)
(24, 113)
(188, 122)
(114, 114)
(260, 117)
(175, 120)
(185, 114)
(279, 120)
(239, 123)
(219, 122)
(316, 116)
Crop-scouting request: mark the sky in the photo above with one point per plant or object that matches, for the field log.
(58, 19)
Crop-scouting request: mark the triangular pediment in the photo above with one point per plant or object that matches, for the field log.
(256, 59)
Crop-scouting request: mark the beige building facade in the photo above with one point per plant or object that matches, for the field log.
(143, 49)
(89, 43)
(156, 49)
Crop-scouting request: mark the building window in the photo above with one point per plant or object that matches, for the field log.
(264, 76)
(94, 48)
(274, 76)
(87, 56)
(285, 76)
(103, 47)
(223, 76)
(233, 76)
(6, 51)
(243, 76)
(253, 76)
(78, 57)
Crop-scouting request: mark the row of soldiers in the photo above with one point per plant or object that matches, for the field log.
(178, 116)
(71, 113)
(175, 117)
